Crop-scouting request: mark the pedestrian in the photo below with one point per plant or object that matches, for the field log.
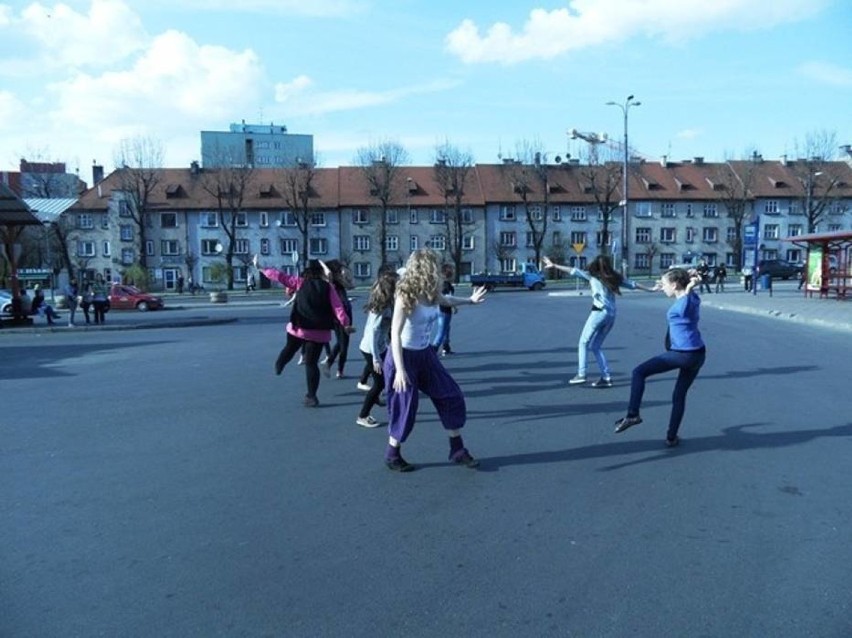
(720, 273)
(311, 320)
(341, 279)
(191, 282)
(250, 282)
(704, 270)
(748, 278)
(85, 300)
(180, 284)
(685, 352)
(374, 342)
(441, 341)
(413, 365)
(100, 298)
(605, 283)
(72, 295)
(40, 307)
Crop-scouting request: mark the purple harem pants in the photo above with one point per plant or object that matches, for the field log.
(426, 374)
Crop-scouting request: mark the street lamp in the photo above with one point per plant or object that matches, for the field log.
(625, 219)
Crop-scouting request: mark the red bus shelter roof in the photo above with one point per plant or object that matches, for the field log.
(836, 239)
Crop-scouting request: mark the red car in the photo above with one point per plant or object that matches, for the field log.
(125, 297)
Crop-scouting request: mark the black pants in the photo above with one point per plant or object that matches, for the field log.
(340, 351)
(100, 311)
(311, 354)
(378, 385)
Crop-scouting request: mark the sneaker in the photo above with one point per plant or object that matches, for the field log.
(311, 402)
(339, 375)
(463, 457)
(672, 442)
(399, 464)
(367, 421)
(324, 361)
(325, 369)
(364, 387)
(301, 361)
(580, 378)
(603, 382)
(626, 422)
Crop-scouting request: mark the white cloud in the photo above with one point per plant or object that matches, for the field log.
(587, 23)
(689, 134)
(826, 73)
(109, 32)
(299, 99)
(12, 111)
(310, 8)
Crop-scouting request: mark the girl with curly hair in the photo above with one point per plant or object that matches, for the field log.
(685, 351)
(605, 283)
(374, 343)
(414, 366)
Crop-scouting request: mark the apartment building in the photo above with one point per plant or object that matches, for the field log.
(678, 211)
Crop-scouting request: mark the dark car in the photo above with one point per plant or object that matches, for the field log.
(125, 297)
(778, 269)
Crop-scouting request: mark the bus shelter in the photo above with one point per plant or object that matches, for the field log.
(827, 269)
(15, 215)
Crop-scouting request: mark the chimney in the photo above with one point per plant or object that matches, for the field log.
(97, 174)
(698, 160)
(784, 161)
(193, 167)
(664, 161)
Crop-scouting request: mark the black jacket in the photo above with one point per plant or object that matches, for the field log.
(312, 307)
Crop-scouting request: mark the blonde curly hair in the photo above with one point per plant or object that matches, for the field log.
(422, 279)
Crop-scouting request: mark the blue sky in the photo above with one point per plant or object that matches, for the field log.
(716, 78)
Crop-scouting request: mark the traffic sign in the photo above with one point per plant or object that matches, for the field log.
(579, 247)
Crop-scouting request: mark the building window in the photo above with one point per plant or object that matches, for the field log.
(530, 239)
(710, 235)
(668, 235)
(437, 242)
(360, 216)
(104, 221)
(241, 220)
(508, 265)
(667, 209)
(363, 269)
(126, 233)
(85, 249)
(127, 256)
(169, 247)
(85, 221)
(688, 210)
(149, 248)
(123, 209)
(771, 231)
(794, 230)
(288, 245)
(264, 219)
(106, 249)
(412, 216)
(603, 238)
(731, 234)
(242, 247)
(770, 207)
(437, 216)
(319, 246)
(288, 218)
(556, 214)
(391, 216)
(264, 246)
(361, 243)
(666, 260)
(711, 210)
(318, 219)
(208, 246)
(643, 209)
(466, 216)
(643, 235)
(578, 213)
(642, 261)
(579, 237)
(507, 213)
(601, 216)
(467, 242)
(392, 243)
(690, 235)
(209, 220)
(414, 243)
(557, 238)
(536, 214)
(508, 239)
(168, 220)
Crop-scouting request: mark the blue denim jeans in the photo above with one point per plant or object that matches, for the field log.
(688, 364)
(594, 332)
(442, 333)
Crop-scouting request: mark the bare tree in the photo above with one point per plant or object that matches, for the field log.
(139, 161)
(453, 169)
(601, 176)
(297, 190)
(735, 180)
(819, 179)
(381, 165)
(529, 178)
(229, 186)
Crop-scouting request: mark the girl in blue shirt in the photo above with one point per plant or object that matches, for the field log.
(685, 351)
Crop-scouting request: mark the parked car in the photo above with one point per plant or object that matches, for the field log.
(527, 276)
(778, 269)
(126, 297)
(5, 302)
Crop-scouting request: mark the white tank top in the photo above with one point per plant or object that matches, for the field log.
(418, 326)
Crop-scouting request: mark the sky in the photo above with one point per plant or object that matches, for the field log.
(714, 78)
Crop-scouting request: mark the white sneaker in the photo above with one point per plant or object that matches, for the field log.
(577, 380)
(325, 369)
(364, 387)
(367, 422)
(301, 361)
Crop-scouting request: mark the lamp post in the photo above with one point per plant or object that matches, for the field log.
(625, 218)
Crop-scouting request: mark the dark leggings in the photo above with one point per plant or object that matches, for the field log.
(688, 362)
(378, 385)
(340, 349)
(311, 355)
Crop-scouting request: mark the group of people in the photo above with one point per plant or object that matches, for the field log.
(407, 327)
(92, 296)
(716, 275)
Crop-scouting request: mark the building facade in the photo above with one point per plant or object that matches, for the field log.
(256, 145)
(679, 212)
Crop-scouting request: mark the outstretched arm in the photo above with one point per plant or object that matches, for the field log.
(552, 264)
(477, 296)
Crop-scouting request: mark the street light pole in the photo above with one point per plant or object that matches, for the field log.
(625, 217)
